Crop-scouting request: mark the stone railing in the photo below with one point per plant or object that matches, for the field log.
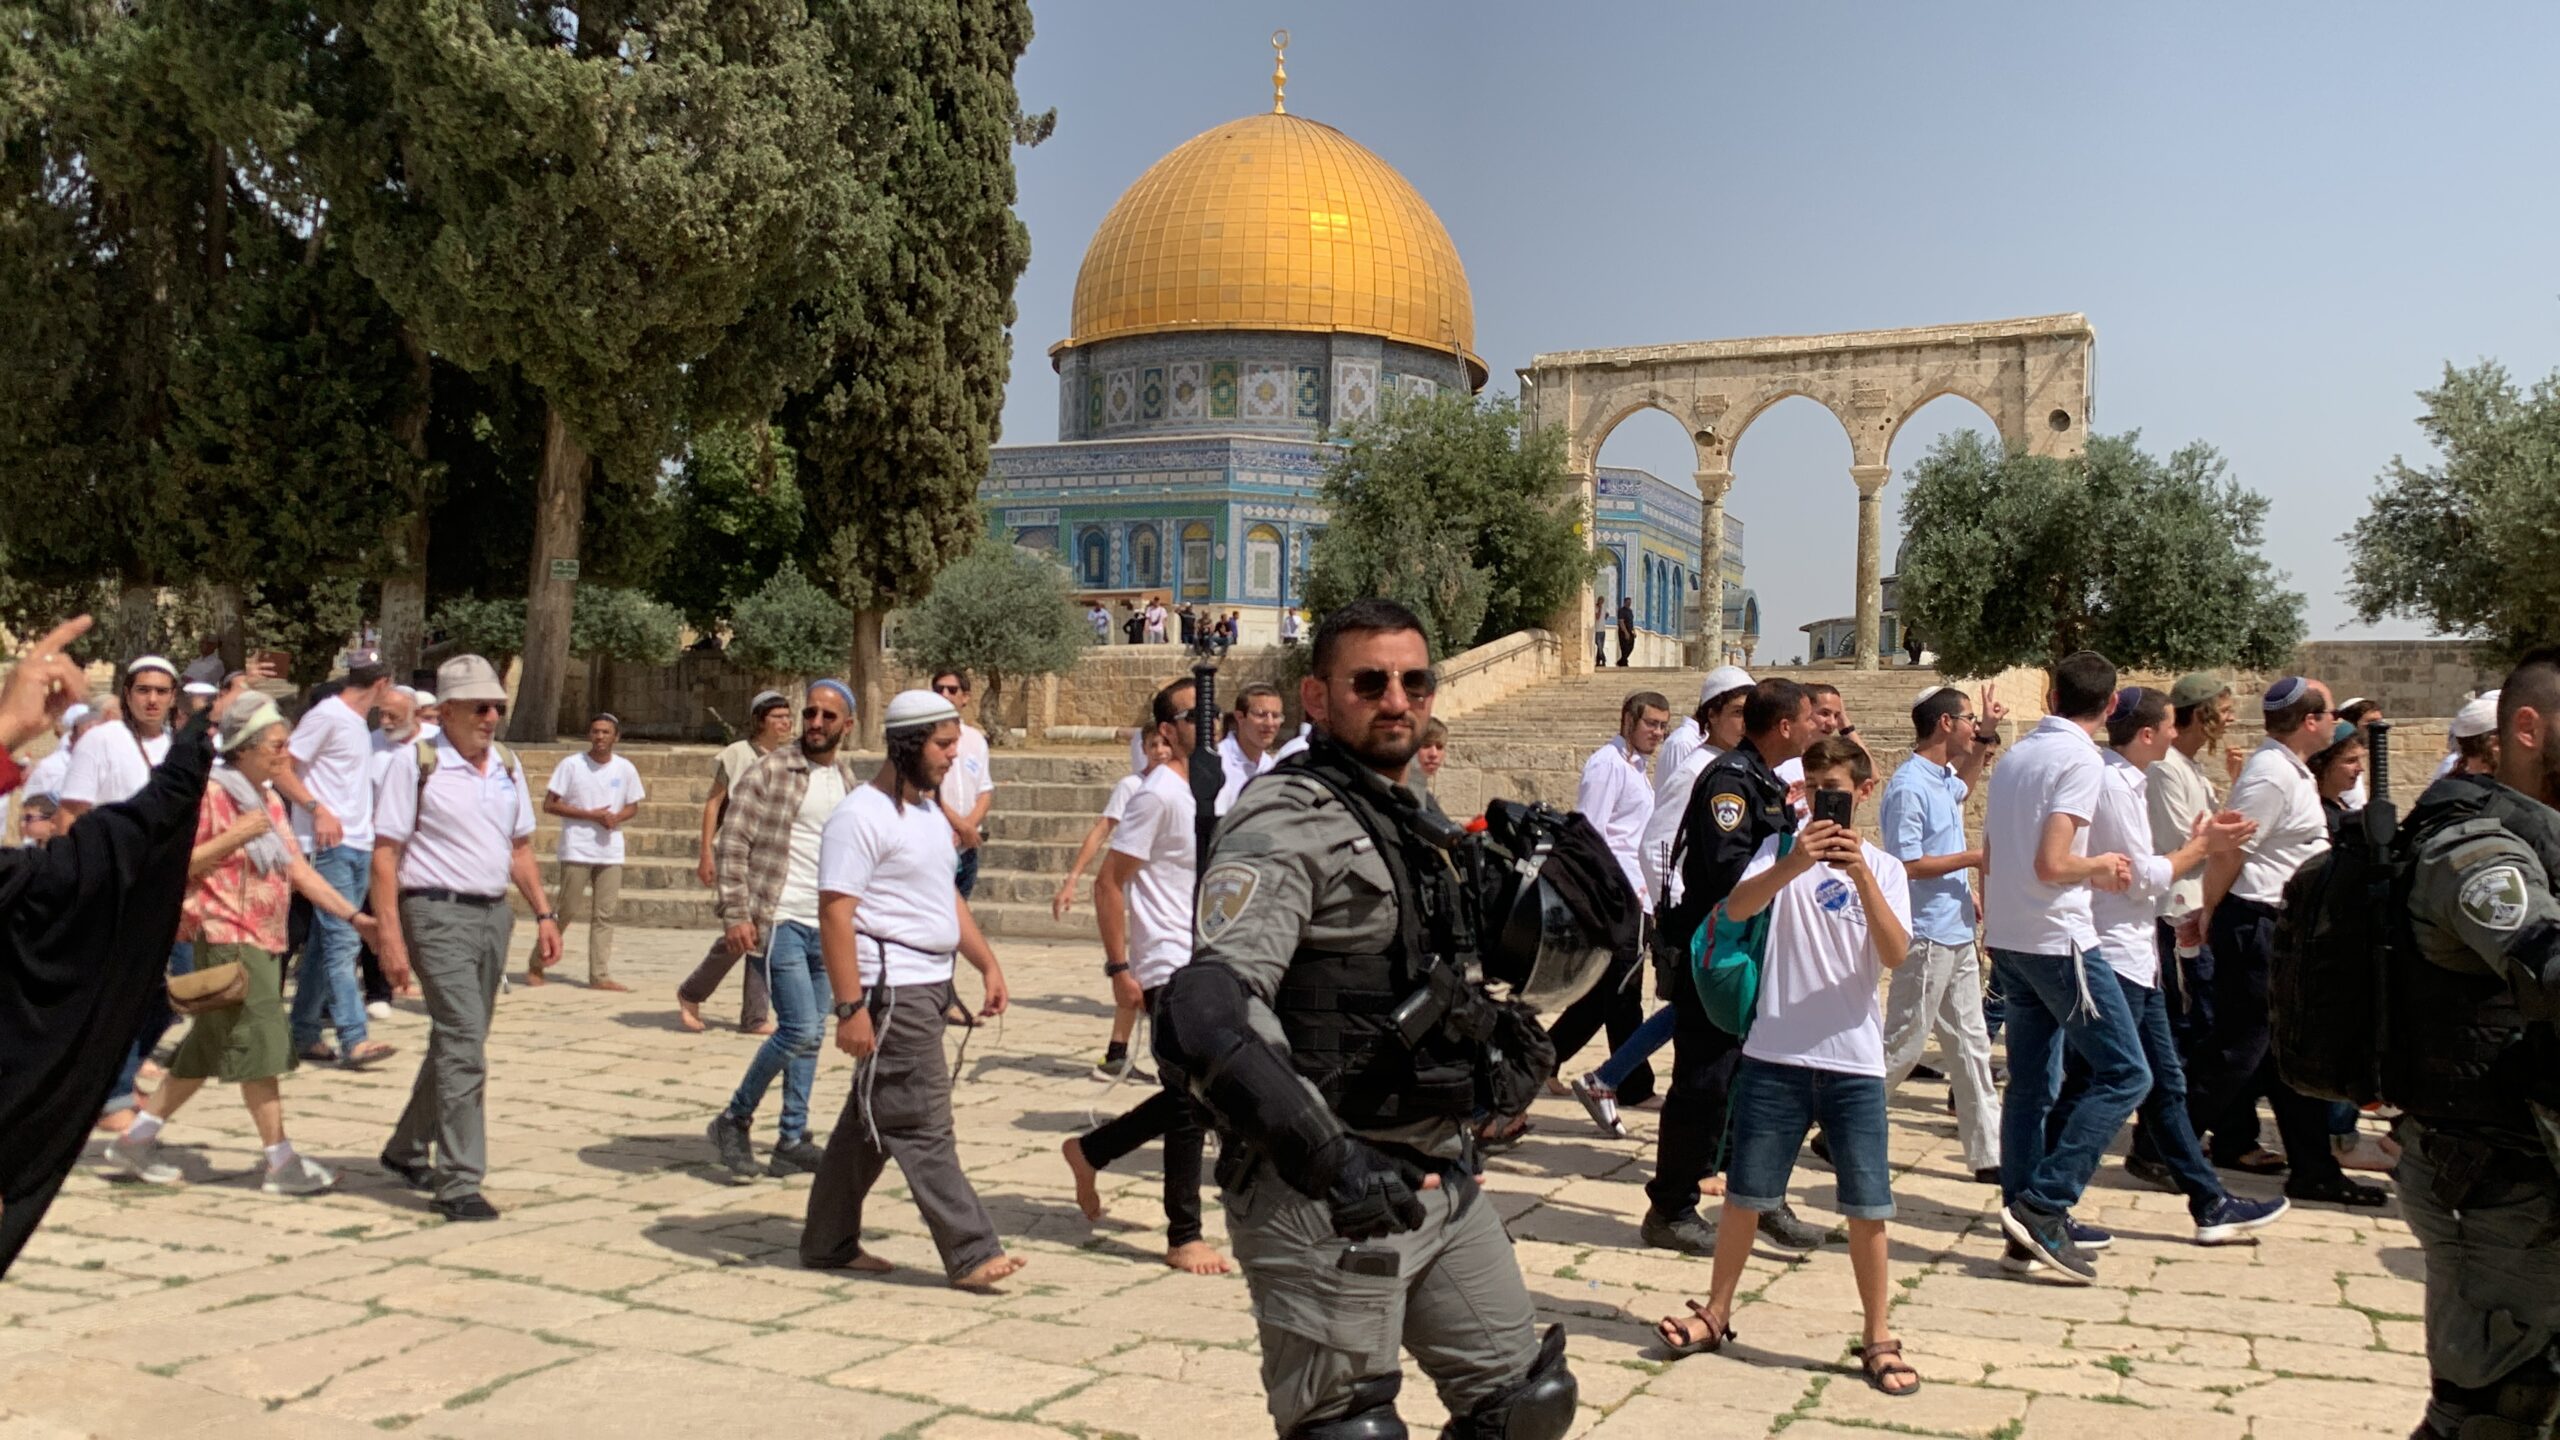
(1496, 669)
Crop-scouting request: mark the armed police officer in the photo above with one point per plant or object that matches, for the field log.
(1333, 1022)
(2473, 1063)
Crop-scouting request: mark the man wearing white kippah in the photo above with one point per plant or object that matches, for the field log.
(2471, 742)
(111, 764)
(595, 793)
(890, 916)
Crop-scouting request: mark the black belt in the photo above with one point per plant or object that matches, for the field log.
(455, 897)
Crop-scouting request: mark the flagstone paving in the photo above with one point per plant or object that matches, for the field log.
(628, 1292)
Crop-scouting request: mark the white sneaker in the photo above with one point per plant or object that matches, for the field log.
(300, 1175)
(140, 1162)
(379, 1010)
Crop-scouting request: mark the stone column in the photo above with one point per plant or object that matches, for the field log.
(1573, 626)
(1871, 479)
(1712, 485)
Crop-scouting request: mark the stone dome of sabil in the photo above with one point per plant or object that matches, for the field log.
(1275, 223)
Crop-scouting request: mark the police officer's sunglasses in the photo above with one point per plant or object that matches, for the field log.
(1372, 684)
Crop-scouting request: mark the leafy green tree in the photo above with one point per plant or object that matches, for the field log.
(893, 438)
(736, 513)
(2470, 544)
(491, 629)
(1441, 504)
(622, 625)
(644, 209)
(790, 627)
(2017, 559)
(999, 611)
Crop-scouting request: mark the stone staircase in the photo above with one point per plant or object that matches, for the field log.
(1045, 800)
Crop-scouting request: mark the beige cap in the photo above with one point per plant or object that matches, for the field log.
(468, 677)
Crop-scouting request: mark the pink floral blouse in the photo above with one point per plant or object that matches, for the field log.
(232, 904)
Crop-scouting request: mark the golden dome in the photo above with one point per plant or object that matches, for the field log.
(1275, 222)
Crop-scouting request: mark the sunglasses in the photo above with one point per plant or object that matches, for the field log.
(815, 713)
(1372, 684)
(949, 690)
(488, 707)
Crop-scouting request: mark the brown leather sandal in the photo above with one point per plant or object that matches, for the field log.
(1698, 1333)
(1883, 1359)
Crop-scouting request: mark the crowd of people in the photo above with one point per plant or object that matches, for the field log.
(1200, 630)
(2092, 947)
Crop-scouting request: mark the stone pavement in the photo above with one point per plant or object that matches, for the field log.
(627, 1292)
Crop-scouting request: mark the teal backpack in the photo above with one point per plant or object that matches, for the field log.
(1725, 962)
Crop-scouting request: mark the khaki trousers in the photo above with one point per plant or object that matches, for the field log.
(600, 886)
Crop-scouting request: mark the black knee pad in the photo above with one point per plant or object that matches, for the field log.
(1538, 1406)
(1372, 1415)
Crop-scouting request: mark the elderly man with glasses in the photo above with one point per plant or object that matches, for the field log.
(452, 826)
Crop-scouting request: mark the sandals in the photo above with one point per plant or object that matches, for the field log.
(1883, 1360)
(2257, 1162)
(1698, 1333)
(368, 1054)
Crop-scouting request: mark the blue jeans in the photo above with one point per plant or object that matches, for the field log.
(796, 970)
(1652, 1035)
(1775, 1106)
(328, 992)
(2047, 1013)
(2166, 1134)
(156, 1020)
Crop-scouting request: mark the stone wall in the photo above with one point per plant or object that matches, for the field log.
(2409, 677)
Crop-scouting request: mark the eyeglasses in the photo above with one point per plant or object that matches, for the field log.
(488, 707)
(949, 690)
(1372, 684)
(815, 713)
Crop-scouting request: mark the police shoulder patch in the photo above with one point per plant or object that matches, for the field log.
(2495, 897)
(1727, 810)
(1224, 893)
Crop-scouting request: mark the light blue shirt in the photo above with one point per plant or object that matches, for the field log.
(1923, 816)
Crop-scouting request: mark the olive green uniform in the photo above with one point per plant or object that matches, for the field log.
(1293, 870)
(2481, 1193)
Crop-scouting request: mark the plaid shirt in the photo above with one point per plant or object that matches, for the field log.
(752, 853)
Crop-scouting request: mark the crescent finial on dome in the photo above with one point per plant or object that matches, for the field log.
(1279, 72)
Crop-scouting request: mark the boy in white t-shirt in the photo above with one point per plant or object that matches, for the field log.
(1839, 918)
(1143, 900)
(1126, 1001)
(594, 794)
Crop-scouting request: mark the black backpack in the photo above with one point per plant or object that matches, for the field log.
(2344, 914)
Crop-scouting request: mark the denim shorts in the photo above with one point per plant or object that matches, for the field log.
(1776, 1106)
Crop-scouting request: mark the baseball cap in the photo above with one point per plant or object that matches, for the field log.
(468, 677)
(1723, 680)
(2196, 689)
(909, 709)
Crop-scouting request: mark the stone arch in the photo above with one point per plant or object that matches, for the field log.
(2033, 377)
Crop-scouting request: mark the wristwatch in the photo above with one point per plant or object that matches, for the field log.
(846, 1010)
(551, 915)
(1115, 968)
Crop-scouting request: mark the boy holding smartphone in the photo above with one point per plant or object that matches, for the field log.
(1839, 917)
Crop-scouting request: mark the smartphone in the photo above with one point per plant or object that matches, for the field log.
(1835, 806)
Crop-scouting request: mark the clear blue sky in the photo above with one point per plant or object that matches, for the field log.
(2281, 219)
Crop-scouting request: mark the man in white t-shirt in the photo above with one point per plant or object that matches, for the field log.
(1839, 917)
(766, 861)
(969, 791)
(1143, 901)
(1252, 744)
(2140, 728)
(2243, 891)
(594, 793)
(111, 764)
(330, 787)
(1155, 616)
(890, 919)
(2037, 878)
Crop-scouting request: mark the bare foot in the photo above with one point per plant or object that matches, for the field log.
(1088, 1192)
(688, 1015)
(985, 1276)
(869, 1264)
(1196, 1258)
(764, 1029)
(1712, 1185)
(608, 985)
(533, 973)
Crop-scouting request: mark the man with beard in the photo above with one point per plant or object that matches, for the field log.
(890, 918)
(767, 861)
(1343, 1161)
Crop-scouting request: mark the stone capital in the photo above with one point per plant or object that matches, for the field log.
(1712, 484)
(1870, 478)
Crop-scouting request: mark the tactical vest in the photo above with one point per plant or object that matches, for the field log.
(1340, 1008)
(2461, 1053)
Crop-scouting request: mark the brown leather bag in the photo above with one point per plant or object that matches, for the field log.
(215, 987)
